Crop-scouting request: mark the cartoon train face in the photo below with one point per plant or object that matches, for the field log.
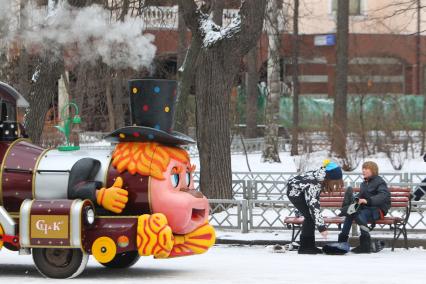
(118, 204)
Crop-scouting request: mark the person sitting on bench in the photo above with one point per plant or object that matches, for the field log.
(304, 192)
(375, 200)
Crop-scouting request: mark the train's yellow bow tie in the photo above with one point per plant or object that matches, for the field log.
(155, 238)
(196, 242)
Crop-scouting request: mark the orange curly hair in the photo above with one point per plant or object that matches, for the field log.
(147, 158)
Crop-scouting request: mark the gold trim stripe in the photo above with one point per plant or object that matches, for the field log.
(6, 154)
(17, 215)
(117, 217)
(50, 246)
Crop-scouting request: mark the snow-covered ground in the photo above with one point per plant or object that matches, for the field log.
(227, 264)
(313, 161)
(280, 236)
(304, 162)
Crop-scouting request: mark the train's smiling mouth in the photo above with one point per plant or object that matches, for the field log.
(198, 214)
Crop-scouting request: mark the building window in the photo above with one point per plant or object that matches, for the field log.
(354, 7)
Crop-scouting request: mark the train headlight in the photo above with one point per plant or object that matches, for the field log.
(89, 215)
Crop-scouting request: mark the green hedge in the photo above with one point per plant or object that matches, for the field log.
(395, 112)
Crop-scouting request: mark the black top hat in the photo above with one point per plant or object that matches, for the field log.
(152, 106)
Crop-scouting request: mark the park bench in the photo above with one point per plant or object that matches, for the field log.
(400, 200)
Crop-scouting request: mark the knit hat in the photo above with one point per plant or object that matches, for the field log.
(332, 170)
(372, 166)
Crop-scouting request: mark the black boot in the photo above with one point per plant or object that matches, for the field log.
(307, 246)
(342, 238)
(364, 244)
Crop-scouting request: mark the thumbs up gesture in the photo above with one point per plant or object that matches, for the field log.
(113, 198)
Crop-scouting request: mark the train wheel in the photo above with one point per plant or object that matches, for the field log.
(123, 260)
(1, 237)
(60, 263)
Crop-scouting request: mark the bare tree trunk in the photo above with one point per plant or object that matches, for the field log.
(252, 93)
(124, 10)
(418, 74)
(108, 96)
(119, 90)
(185, 60)
(213, 88)
(23, 84)
(364, 132)
(43, 90)
(213, 135)
(340, 120)
(272, 119)
(217, 63)
(295, 64)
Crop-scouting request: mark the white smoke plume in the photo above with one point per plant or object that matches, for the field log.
(83, 35)
(5, 8)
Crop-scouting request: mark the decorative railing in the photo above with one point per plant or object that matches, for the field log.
(248, 215)
(166, 17)
(263, 204)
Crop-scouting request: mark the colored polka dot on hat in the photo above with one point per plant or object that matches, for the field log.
(152, 102)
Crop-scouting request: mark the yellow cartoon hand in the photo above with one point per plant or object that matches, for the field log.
(113, 198)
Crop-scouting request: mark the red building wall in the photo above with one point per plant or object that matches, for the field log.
(397, 77)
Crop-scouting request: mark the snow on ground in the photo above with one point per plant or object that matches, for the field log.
(313, 161)
(305, 162)
(280, 236)
(267, 235)
(242, 264)
(239, 163)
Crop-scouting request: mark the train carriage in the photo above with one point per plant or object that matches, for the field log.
(62, 206)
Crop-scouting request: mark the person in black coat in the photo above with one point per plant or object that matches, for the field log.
(375, 201)
(304, 192)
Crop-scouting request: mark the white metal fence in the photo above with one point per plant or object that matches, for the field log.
(260, 201)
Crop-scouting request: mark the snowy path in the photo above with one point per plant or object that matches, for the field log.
(224, 264)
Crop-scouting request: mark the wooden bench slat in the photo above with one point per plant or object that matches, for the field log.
(325, 200)
(400, 204)
(391, 189)
(340, 220)
(400, 197)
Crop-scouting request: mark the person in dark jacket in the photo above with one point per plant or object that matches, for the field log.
(304, 192)
(375, 201)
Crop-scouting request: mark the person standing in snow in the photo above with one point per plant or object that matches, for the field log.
(375, 201)
(304, 192)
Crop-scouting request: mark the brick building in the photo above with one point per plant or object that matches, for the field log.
(382, 46)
